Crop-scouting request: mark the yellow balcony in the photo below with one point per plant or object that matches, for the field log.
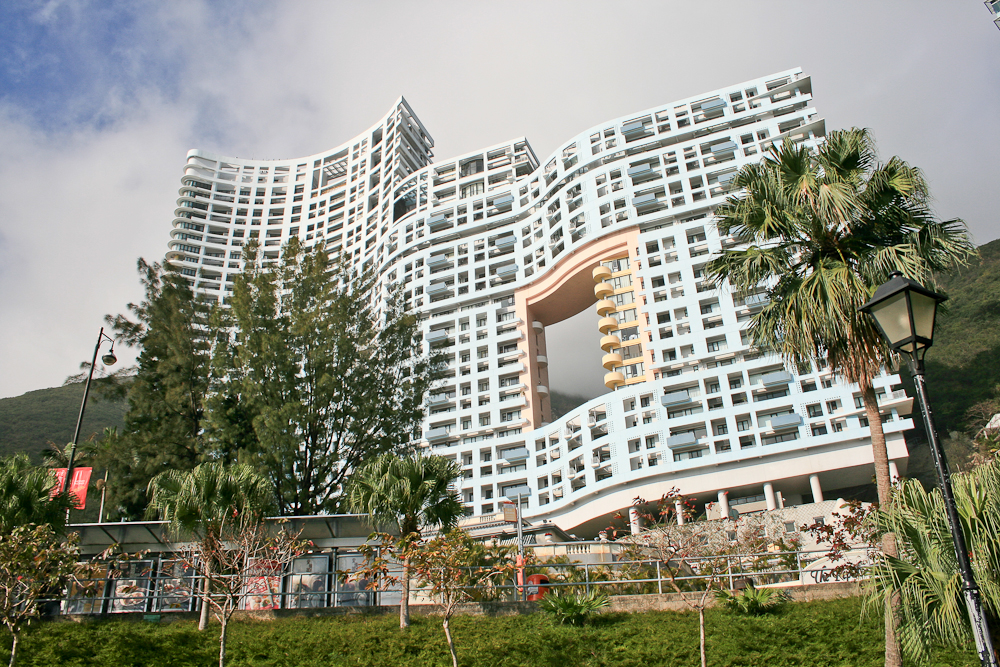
(610, 342)
(601, 273)
(611, 360)
(602, 290)
(607, 324)
(613, 379)
(605, 307)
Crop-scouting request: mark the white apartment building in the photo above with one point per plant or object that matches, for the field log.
(495, 246)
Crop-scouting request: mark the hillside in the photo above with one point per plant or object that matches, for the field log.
(562, 403)
(28, 422)
(963, 366)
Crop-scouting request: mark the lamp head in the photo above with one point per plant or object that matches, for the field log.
(905, 312)
(109, 359)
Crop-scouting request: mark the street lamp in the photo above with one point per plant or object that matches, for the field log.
(515, 495)
(905, 312)
(108, 360)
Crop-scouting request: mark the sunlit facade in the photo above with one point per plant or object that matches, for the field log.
(493, 247)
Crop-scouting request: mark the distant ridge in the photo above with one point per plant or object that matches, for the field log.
(28, 422)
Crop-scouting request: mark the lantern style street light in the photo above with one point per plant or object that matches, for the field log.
(108, 359)
(905, 312)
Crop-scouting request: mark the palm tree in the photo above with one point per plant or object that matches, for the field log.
(26, 495)
(932, 605)
(409, 493)
(205, 501)
(820, 230)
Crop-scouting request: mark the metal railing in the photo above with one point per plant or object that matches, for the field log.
(156, 586)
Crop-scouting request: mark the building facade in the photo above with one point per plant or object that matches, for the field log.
(494, 247)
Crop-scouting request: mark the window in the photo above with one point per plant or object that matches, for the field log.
(819, 429)
(815, 410)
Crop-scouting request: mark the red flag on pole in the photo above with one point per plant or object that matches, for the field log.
(78, 486)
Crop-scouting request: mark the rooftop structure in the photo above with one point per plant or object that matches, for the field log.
(493, 247)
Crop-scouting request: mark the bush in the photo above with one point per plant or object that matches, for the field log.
(573, 609)
(752, 601)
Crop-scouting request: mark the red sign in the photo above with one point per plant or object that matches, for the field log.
(77, 489)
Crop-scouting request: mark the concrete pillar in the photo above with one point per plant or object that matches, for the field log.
(679, 508)
(817, 490)
(634, 521)
(772, 504)
(724, 504)
(781, 501)
(893, 472)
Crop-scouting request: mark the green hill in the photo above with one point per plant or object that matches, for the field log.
(28, 422)
(963, 366)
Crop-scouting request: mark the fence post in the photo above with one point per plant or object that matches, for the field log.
(729, 570)
(586, 570)
(659, 579)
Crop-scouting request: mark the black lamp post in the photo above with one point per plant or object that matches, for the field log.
(108, 360)
(905, 313)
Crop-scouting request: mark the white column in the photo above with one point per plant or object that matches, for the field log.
(634, 521)
(781, 501)
(724, 504)
(679, 508)
(772, 504)
(817, 490)
(893, 472)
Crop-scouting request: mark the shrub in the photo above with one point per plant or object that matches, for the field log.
(573, 609)
(752, 601)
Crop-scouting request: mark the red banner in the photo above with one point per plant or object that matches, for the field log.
(77, 489)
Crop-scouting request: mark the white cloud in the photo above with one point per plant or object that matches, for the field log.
(78, 205)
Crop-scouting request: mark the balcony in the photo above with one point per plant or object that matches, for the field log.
(542, 361)
(438, 222)
(437, 434)
(775, 379)
(607, 324)
(682, 440)
(519, 454)
(601, 273)
(785, 421)
(611, 360)
(605, 307)
(675, 398)
(613, 379)
(610, 342)
(602, 290)
(437, 336)
(646, 202)
(723, 148)
(438, 261)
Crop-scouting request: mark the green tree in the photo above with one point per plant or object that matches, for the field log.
(925, 575)
(313, 379)
(210, 502)
(408, 493)
(455, 568)
(163, 426)
(26, 495)
(820, 230)
(34, 562)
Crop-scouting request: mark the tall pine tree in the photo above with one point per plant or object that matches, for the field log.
(163, 426)
(312, 380)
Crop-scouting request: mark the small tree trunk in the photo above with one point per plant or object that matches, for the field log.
(206, 590)
(222, 640)
(17, 639)
(701, 630)
(883, 481)
(451, 644)
(404, 602)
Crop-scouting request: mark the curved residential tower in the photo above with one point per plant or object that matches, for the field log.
(493, 247)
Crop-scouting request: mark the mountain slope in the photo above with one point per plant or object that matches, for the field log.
(29, 421)
(963, 366)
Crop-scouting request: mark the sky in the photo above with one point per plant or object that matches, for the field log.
(100, 102)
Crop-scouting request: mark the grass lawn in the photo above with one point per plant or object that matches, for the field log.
(815, 634)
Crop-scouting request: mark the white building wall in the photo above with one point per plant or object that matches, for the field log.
(461, 237)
